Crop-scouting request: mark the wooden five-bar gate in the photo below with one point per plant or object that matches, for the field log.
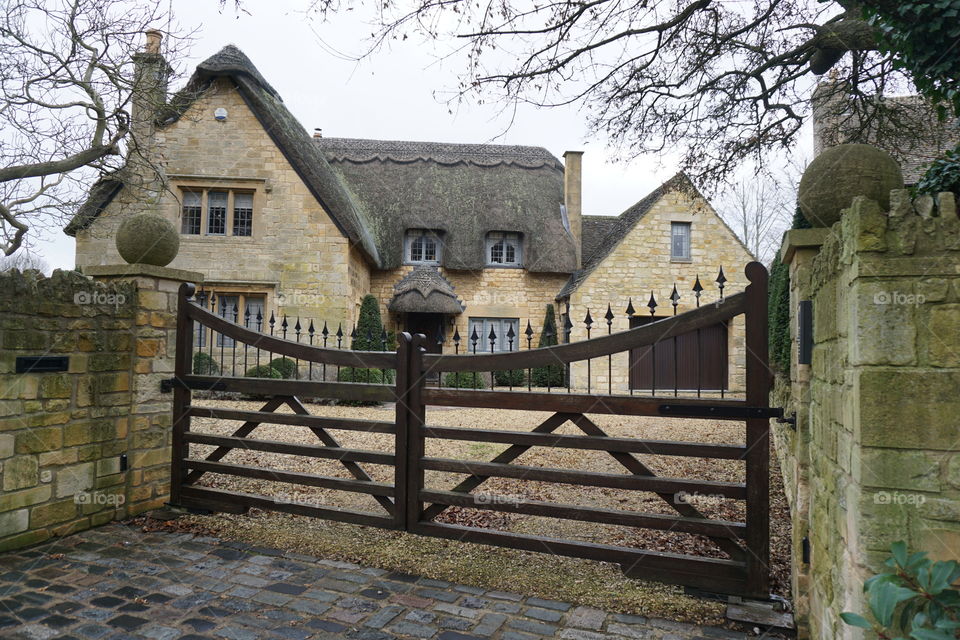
(408, 504)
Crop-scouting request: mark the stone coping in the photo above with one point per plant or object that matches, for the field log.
(795, 239)
(139, 269)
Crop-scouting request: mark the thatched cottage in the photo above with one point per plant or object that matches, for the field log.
(448, 237)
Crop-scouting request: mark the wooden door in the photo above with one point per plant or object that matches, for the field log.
(696, 360)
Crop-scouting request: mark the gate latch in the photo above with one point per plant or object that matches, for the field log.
(719, 411)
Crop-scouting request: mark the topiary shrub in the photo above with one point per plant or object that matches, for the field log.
(369, 337)
(510, 378)
(204, 365)
(285, 366)
(465, 380)
(263, 371)
(550, 375)
(943, 174)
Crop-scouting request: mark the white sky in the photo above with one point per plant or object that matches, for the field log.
(388, 96)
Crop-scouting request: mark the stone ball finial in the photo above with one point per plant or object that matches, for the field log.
(841, 173)
(148, 238)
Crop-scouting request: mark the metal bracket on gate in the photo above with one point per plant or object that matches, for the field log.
(719, 411)
(169, 384)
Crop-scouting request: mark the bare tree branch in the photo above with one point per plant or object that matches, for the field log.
(722, 82)
(65, 103)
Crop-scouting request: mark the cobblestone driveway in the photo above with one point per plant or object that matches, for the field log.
(116, 582)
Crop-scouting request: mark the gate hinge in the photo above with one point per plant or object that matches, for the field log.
(719, 411)
(790, 420)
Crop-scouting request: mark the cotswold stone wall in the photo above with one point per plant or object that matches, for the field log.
(64, 435)
(876, 453)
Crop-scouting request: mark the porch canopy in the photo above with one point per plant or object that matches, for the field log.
(424, 290)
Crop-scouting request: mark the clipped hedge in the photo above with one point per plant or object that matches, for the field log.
(465, 380)
(371, 376)
(285, 366)
(510, 378)
(263, 371)
(204, 365)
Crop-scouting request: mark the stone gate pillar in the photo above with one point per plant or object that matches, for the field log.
(876, 453)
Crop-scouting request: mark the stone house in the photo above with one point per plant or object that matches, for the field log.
(910, 131)
(450, 238)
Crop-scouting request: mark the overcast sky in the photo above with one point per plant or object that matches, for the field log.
(395, 95)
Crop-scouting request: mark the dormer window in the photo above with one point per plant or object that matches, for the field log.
(504, 249)
(422, 246)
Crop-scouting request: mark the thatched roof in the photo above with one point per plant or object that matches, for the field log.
(375, 190)
(425, 290)
(462, 190)
(284, 129)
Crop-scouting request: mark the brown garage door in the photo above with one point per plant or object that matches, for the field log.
(698, 362)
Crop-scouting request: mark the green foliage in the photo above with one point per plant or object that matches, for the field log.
(919, 36)
(263, 371)
(550, 375)
(369, 326)
(778, 309)
(778, 306)
(371, 376)
(915, 599)
(369, 337)
(465, 380)
(510, 378)
(204, 365)
(285, 366)
(943, 174)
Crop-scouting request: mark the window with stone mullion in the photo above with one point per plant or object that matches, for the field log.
(216, 213)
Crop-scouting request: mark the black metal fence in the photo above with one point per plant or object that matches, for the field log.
(217, 354)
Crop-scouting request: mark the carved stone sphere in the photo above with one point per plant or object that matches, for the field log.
(147, 238)
(841, 173)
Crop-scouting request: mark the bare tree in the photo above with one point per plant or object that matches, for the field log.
(722, 81)
(758, 204)
(23, 261)
(65, 110)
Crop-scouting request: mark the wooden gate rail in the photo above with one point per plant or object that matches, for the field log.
(410, 505)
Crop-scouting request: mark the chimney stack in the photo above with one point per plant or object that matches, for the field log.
(572, 162)
(151, 74)
(153, 41)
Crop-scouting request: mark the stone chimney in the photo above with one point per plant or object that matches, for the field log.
(827, 108)
(151, 74)
(572, 161)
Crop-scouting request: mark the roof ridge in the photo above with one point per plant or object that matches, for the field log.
(363, 150)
